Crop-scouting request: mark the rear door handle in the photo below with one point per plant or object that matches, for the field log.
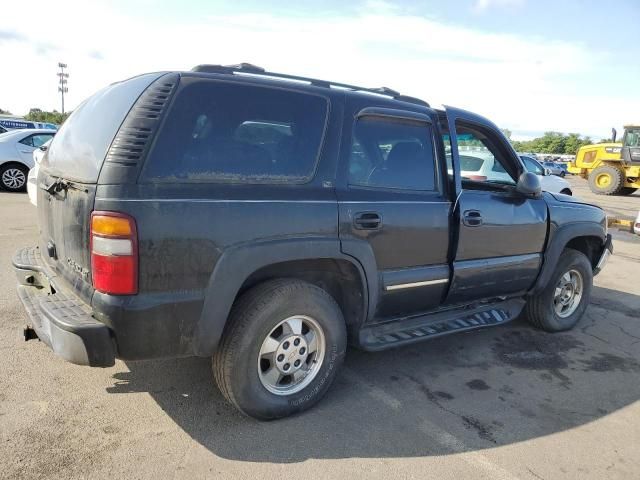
(367, 221)
(472, 218)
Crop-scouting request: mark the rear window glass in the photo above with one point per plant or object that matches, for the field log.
(80, 146)
(225, 132)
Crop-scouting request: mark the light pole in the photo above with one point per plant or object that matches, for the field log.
(62, 82)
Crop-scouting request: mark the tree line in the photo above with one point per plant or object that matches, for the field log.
(552, 142)
(39, 115)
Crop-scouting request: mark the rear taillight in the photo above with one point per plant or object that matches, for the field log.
(114, 253)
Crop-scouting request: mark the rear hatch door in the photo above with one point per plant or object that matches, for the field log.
(68, 176)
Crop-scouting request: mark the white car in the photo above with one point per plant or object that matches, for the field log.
(549, 182)
(16, 155)
(32, 179)
(481, 166)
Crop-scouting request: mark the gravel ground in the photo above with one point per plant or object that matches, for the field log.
(622, 207)
(509, 402)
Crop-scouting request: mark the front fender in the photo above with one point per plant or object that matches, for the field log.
(236, 264)
(558, 242)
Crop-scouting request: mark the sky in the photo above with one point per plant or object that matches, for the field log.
(529, 65)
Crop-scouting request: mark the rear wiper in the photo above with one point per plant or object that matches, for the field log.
(59, 185)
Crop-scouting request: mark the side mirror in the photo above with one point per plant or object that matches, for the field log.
(547, 172)
(529, 185)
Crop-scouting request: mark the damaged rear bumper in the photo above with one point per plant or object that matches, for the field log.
(59, 318)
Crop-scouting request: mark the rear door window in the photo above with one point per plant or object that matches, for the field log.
(227, 132)
(532, 166)
(392, 154)
(39, 140)
(36, 140)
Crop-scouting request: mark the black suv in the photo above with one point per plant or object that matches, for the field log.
(267, 221)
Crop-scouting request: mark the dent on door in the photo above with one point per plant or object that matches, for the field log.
(500, 245)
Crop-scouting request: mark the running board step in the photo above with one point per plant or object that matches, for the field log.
(402, 332)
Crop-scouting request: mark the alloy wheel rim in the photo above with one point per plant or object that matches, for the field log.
(568, 293)
(13, 178)
(291, 355)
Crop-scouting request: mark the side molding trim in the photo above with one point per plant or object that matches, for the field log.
(425, 283)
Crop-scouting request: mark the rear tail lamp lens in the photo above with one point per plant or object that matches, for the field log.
(114, 253)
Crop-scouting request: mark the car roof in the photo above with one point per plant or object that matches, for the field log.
(23, 132)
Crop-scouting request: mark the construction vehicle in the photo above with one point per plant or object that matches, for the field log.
(612, 168)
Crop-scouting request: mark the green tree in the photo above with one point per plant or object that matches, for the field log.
(572, 143)
(506, 132)
(553, 142)
(39, 115)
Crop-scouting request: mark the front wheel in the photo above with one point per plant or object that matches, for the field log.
(562, 303)
(280, 352)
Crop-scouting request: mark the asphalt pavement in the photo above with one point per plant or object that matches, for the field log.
(508, 402)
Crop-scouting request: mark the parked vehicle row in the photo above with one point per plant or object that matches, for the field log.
(266, 221)
(8, 122)
(481, 165)
(555, 168)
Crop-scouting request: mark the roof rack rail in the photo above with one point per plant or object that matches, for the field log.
(250, 69)
(240, 67)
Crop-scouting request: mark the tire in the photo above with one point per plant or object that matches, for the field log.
(628, 191)
(239, 367)
(606, 180)
(562, 174)
(566, 191)
(13, 177)
(540, 309)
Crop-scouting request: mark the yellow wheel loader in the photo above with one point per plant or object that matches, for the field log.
(611, 168)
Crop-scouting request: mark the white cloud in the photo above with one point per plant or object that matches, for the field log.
(482, 5)
(518, 82)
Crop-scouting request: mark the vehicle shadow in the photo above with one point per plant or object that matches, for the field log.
(464, 392)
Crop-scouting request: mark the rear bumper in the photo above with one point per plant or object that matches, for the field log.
(61, 319)
(607, 251)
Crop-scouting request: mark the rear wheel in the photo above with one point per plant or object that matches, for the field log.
(606, 180)
(628, 191)
(284, 343)
(13, 177)
(563, 301)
